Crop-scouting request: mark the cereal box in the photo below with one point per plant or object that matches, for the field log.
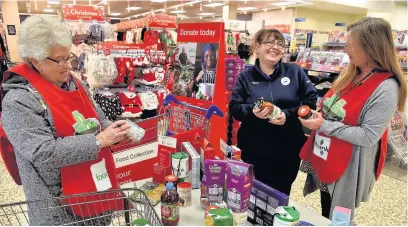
(239, 185)
(215, 178)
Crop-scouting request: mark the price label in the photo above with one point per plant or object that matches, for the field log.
(168, 141)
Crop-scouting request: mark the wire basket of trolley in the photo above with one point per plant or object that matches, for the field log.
(111, 205)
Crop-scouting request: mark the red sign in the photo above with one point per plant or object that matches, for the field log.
(119, 45)
(78, 12)
(284, 28)
(199, 32)
(138, 23)
(162, 21)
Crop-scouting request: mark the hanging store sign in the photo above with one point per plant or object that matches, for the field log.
(284, 28)
(79, 12)
(300, 19)
(235, 25)
(162, 21)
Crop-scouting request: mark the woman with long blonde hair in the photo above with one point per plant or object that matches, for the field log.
(345, 153)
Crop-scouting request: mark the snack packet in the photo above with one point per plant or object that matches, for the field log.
(219, 217)
(215, 177)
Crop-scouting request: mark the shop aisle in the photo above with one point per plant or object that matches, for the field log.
(388, 204)
(386, 207)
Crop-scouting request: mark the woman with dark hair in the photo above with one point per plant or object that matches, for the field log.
(272, 146)
(345, 153)
(208, 65)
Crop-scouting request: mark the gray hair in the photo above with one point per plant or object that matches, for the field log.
(37, 34)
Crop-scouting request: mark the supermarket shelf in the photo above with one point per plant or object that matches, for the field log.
(334, 44)
(401, 47)
(321, 71)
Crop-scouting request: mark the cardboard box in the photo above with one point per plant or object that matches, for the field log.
(240, 177)
(215, 179)
(194, 164)
(160, 172)
(263, 202)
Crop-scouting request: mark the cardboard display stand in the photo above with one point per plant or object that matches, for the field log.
(202, 34)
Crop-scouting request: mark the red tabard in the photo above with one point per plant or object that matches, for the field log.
(73, 113)
(329, 155)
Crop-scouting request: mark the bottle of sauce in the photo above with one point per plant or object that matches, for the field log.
(170, 206)
(304, 112)
(262, 104)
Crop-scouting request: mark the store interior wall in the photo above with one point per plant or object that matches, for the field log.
(399, 20)
(322, 20)
(274, 17)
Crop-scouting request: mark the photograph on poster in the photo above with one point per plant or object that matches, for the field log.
(196, 78)
(205, 70)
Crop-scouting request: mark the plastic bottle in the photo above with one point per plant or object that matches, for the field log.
(170, 206)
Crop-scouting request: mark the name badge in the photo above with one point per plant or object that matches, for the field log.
(321, 146)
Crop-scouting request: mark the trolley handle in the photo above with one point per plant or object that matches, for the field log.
(208, 113)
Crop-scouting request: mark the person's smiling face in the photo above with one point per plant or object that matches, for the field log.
(209, 59)
(271, 50)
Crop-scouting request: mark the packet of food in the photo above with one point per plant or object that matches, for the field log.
(215, 179)
(239, 185)
(153, 192)
(219, 217)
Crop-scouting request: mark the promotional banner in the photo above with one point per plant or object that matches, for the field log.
(121, 49)
(136, 164)
(162, 21)
(204, 77)
(284, 28)
(138, 23)
(82, 12)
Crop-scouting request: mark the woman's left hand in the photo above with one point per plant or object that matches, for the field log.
(313, 124)
(279, 119)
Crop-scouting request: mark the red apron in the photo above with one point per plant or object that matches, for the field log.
(329, 155)
(73, 113)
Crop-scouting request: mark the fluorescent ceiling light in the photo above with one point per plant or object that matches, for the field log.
(205, 14)
(158, 0)
(134, 8)
(53, 2)
(115, 14)
(283, 3)
(178, 11)
(246, 8)
(213, 4)
(116, 18)
(48, 10)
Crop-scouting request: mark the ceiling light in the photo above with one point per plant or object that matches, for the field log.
(246, 8)
(215, 4)
(244, 12)
(209, 1)
(246, 1)
(115, 14)
(48, 10)
(182, 18)
(134, 8)
(178, 11)
(265, 10)
(53, 2)
(201, 18)
(283, 8)
(48, 6)
(205, 14)
(158, 0)
(191, 3)
(283, 3)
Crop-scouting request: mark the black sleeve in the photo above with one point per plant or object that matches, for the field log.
(238, 107)
(307, 93)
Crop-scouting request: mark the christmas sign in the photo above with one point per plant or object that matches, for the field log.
(80, 12)
(162, 21)
(284, 28)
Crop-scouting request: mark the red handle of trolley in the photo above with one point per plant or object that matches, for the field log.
(181, 119)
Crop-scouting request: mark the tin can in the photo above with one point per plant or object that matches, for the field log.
(179, 163)
(135, 131)
(184, 190)
(304, 112)
(262, 104)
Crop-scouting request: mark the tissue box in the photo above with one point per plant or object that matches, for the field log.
(194, 161)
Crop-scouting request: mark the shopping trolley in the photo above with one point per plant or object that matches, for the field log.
(52, 211)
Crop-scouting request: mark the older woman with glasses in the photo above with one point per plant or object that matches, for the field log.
(56, 131)
(272, 146)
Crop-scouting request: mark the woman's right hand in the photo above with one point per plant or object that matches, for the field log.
(115, 133)
(261, 114)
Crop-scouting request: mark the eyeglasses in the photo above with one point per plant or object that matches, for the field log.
(63, 61)
(273, 43)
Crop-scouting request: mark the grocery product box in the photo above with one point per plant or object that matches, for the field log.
(215, 179)
(263, 202)
(240, 177)
(194, 164)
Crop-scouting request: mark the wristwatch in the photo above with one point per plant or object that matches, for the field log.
(98, 143)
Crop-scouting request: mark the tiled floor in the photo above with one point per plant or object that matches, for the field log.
(387, 206)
